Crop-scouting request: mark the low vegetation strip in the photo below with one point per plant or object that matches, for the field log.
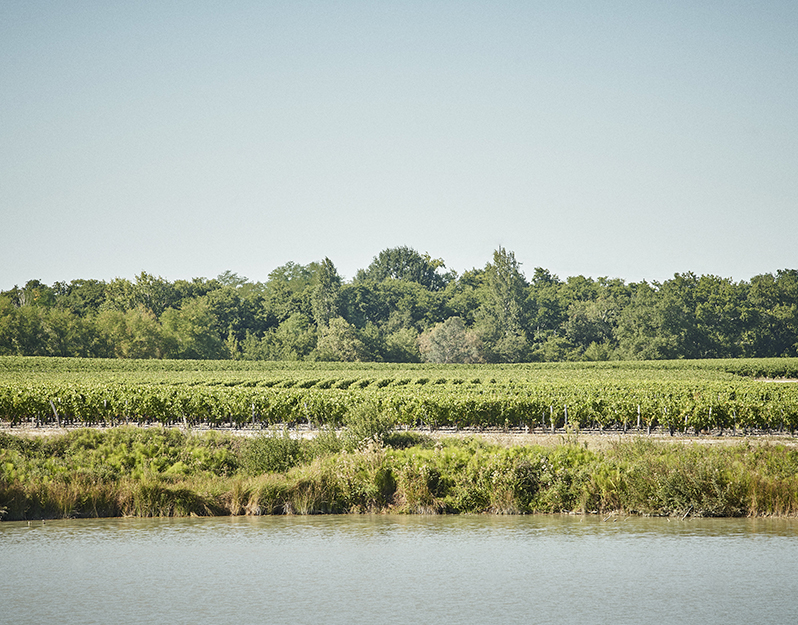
(369, 467)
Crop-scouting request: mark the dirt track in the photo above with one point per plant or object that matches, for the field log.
(590, 438)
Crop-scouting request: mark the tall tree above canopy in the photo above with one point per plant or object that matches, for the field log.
(507, 289)
(36, 293)
(326, 297)
(405, 263)
(294, 276)
(502, 317)
(231, 278)
(289, 290)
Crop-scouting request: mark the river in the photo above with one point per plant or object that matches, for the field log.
(400, 569)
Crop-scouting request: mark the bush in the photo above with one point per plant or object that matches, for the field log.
(275, 452)
(367, 422)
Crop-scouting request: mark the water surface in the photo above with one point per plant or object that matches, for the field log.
(400, 569)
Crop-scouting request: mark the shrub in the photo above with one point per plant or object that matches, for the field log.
(273, 452)
(368, 421)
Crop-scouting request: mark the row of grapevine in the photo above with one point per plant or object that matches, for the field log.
(676, 406)
(704, 369)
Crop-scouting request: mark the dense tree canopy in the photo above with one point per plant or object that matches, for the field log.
(404, 308)
(405, 263)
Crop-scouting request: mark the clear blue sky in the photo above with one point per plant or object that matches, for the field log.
(622, 139)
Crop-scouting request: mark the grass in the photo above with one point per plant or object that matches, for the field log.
(370, 468)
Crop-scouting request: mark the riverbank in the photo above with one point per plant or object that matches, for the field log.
(168, 472)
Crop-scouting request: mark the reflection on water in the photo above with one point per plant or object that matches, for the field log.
(456, 569)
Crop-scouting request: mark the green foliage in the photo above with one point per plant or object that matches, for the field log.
(369, 421)
(325, 443)
(401, 296)
(675, 395)
(326, 294)
(450, 342)
(272, 452)
(155, 471)
(339, 342)
(404, 263)
(134, 333)
(502, 318)
(192, 331)
(402, 346)
(402, 440)
(294, 339)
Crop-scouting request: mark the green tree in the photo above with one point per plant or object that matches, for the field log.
(134, 333)
(464, 296)
(364, 302)
(230, 278)
(66, 334)
(192, 331)
(502, 316)
(35, 293)
(294, 339)
(289, 290)
(720, 310)
(405, 263)
(401, 345)
(547, 304)
(338, 341)
(153, 293)
(450, 341)
(22, 331)
(81, 297)
(237, 311)
(770, 323)
(591, 323)
(326, 294)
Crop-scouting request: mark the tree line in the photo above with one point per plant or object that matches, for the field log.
(405, 307)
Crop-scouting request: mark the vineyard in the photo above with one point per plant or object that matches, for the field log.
(743, 395)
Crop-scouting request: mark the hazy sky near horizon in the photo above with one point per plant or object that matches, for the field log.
(622, 139)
